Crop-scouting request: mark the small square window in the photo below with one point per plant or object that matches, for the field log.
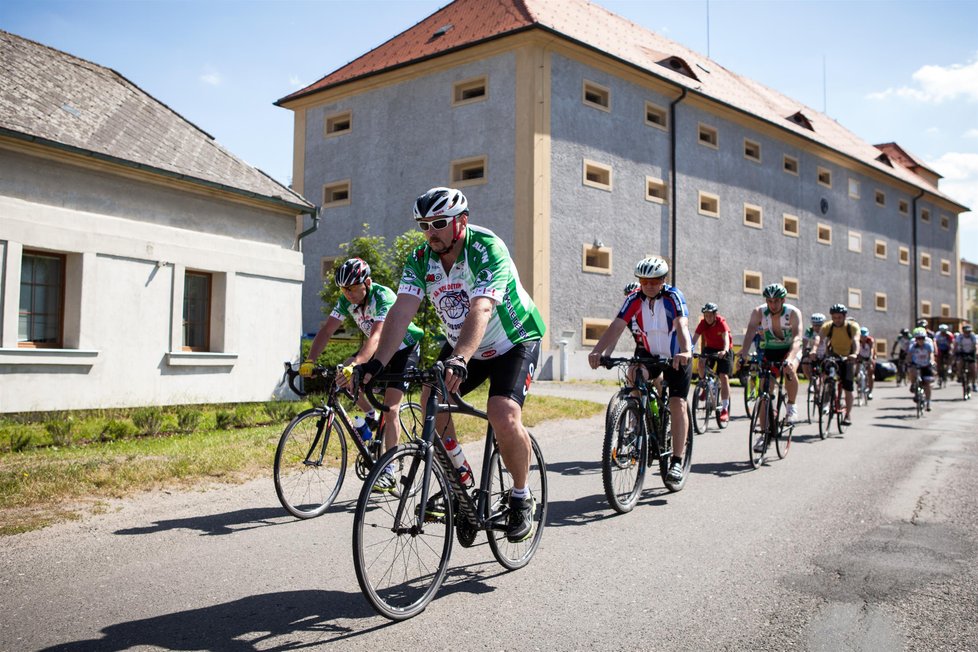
(904, 256)
(855, 298)
(945, 310)
(470, 171)
(592, 330)
(655, 190)
(789, 225)
(881, 249)
(753, 216)
(945, 222)
(854, 187)
(925, 215)
(596, 259)
(709, 205)
(904, 207)
(824, 234)
(339, 123)
(656, 116)
(924, 261)
(336, 194)
(597, 175)
(752, 282)
(882, 348)
(791, 285)
(945, 267)
(925, 308)
(880, 198)
(855, 241)
(326, 267)
(708, 136)
(469, 91)
(825, 177)
(881, 301)
(752, 151)
(790, 165)
(597, 96)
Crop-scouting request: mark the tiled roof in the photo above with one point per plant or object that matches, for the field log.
(66, 101)
(475, 21)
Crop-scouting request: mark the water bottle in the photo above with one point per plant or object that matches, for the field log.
(458, 461)
(362, 428)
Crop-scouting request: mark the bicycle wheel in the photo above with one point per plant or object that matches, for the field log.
(701, 405)
(310, 462)
(811, 399)
(622, 457)
(840, 411)
(757, 430)
(919, 399)
(412, 421)
(687, 455)
(782, 442)
(826, 409)
(966, 382)
(714, 402)
(401, 562)
(614, 403)
(516, 555)
(750, 393)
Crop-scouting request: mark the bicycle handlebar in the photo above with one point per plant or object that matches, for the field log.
(658, 361)
(434, 375)
(328, 373)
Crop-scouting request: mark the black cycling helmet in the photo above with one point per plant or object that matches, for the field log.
(352, 272)
(922, 323)
(710, 307)
(904, 331)
(631, 287)
(839, 309)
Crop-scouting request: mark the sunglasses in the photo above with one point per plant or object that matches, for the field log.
(350, 288)
(436, 224)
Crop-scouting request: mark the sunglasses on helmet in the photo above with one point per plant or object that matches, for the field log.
(435, 224)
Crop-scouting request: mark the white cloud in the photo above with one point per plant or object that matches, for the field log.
(960, 182)
(932, 131)
(294, 81)
(936, 84)
(971, 133)
(211, 78)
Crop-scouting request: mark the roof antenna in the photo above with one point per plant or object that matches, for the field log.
(825, 106)
(707, 29)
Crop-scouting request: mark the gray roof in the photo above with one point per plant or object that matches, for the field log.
(53, 97)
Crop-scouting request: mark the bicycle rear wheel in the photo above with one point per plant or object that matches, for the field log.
(826, 409)
(757, 431)
(919, 399)
(750, 393)
(782, 442)
(701, 407)
(310, 463)
(516, 555)
(401, 562)
(714, 403)
(840, 411)
(664, 461)
(622, 457)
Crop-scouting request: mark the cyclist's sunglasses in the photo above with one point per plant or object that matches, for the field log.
(350, 288)
(435, 224)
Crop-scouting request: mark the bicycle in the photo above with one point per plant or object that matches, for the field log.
(862, 382)
(706, 396)
(639, 435)
(901, 367)
(814, 396)
(966, 360)
(766, 422)
(919, 396)
(832, 403)
(750, 382)
(311, 456)
(942, 365)
(402, 543)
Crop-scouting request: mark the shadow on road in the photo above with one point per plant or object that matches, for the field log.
(574, 468)
(216, 524)
(722, 469)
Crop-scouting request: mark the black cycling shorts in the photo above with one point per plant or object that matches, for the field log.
(722, 364)
(405, 359)
(846, 373)
(509, 374)
(677, 380)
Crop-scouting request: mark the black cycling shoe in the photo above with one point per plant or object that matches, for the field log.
(520, 525)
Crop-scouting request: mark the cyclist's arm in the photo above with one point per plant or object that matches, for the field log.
(794, 323)
(474, 327)
(606, 342)
(322, 337)
(685, 347)
(755, 321)
(369, 346)
(398, 319)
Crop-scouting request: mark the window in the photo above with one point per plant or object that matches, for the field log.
(882, 348)
(924, 260)
(753, 216)
(945, 267)
(855, 241)
(655, 190)
(824, 234)
(596, 259)
(925, 308)
(881, 301)
(881, 249)
(790, 165)
(945, 222)
(41, 316)
(709, 205)
(339, 123)
(196, 311)
(880, 198)
(904, 207)
(326, 266)
(855, 298)
(925, 215)
(336, 194)
(789, 225)
(945, 310)
(597, 96)
(752, 151)
(469, 91)
(708, 136)
(597, 175)
(824, 177)
(469, 171)
(854, 188)
(752, 282)
(592, 330)
(791, 285)
(904, 256)
(656, 116)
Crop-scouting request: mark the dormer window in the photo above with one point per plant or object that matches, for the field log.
(800, 119)
(679, 65)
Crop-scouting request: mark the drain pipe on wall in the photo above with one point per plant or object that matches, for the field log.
(672, 164)
(316, 216)
(913, 263)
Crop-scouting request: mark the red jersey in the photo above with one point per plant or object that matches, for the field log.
(715, 336)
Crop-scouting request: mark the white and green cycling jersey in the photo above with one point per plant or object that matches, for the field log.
(769, 340)
(378, 301)
(484, 268)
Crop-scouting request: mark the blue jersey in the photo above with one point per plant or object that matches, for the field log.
(655, 325)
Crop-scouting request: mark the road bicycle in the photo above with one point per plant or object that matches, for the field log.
(967, 380)
(917, 389)
(942, 368)
(901, 367)
(861, 382)
(814, 395)
(832, 405)
(311, 456)
(639, 435)
(751, 383)
(402, 541)
(706, 396)
(768, 421)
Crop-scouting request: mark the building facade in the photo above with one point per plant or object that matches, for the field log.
(969, 291)
(588, 143)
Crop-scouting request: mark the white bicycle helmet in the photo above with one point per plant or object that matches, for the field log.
(651, 267)
(440, 202)
(631, 287)
(818, 318)
(352, 272)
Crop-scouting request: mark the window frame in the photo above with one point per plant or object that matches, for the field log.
(857, 294)
(855, 188)
(658, 110)
(749, 145)
(876, 302)
(329, 188)
(876, 249)
(752, 209)
(713, 136)
(701, 195)
(903, 255)
(600, 90)
(59, 343)
(460, 87)
(593, 322)
(926, 308)
(330, 121)
(206, 322)
(945, 264)
(818, 234)
(926, 261)
(458, 168)
(879, 197)
(605, 255)
(856, 236)
(793, 169)
(747, 287)
(903, 207)
(925, 215)
(827, 183)
(788, 282)
(601, 167)
(787, 218)
(651, 182)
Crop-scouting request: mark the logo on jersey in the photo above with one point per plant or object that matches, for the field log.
(454, 305)
(483, 279)
(430, 278)
(408, 276)
(489, 353)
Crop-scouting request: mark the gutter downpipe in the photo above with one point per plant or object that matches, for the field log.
(672, 164)
(316, 216)
(914, 263)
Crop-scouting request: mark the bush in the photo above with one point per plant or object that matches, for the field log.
(20, 440)
(223, 420)
(114, 430)
(243, 417)
(188, 419)
(280, 411)
(148, 420)
(60, 429)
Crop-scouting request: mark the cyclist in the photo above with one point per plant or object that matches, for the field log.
(368, 304)
(492, 327)
(841, 337)
(779, 325)
(964, 351)
(900, 346)
(661, 313)
(922, 323)
(943, 340)
(718, 341)
(810, 343)
(922, 360)
(867, 357)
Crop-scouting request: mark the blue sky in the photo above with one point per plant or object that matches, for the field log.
(895, 71)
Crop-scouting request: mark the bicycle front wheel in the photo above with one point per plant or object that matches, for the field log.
(701, 407)
(840, 412)
(401, 547)
(826, 408)
(622, 458)
(782, 443)
(758, 432)
(516, 555)
(811, 401)
(664, 462)
(310, 462)
(750, 394)
(411, 417)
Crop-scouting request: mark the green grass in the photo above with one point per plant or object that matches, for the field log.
(50, 481)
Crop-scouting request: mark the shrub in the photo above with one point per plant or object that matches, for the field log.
(223, 420)
(279, 411)
(20, 440)
(148, 420)
(243, 416)
(114, 430)
(60, 429)
(188, 419)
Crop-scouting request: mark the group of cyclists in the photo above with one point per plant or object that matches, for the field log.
(935, 356)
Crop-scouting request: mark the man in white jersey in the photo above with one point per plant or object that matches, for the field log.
(923, 361)
(964, 351)
(492, 327)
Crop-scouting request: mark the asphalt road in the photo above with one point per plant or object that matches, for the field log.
(861, 542)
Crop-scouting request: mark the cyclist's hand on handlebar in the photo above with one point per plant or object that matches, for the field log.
(343, 379)
(305, 369)
(455, 373)
(594, 359)
(681, 359)
(368, 370)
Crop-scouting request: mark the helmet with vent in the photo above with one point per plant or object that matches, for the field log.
(440, 202)
(352, 272)
(651, 267)
(775, 291)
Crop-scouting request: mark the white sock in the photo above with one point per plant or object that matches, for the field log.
(372, 414)
(725, 403)
(520, 493)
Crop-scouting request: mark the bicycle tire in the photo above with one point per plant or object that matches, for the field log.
(782, 443)
(721, 424)
(811, 399)
(701, 408)
(840, 414)
(516, 555)
(966, 381)
(756, 430)
(919, 399)
(306, 488)
(411, 417)
(664, 461)
(826, 408)
(398, 567)
(751, 388)
(623, 457)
